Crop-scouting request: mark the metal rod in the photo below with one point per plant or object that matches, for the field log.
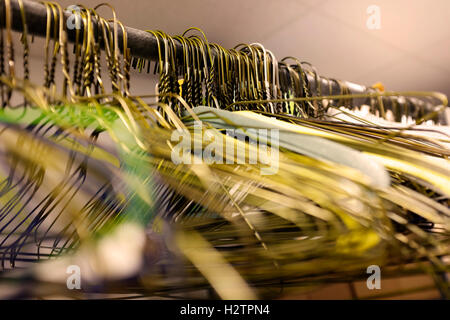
(144, 45)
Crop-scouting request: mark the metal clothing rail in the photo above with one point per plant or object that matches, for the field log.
(144, 45)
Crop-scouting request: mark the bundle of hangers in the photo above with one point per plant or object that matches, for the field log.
(249, 77)
(89, 173)
(212, 75)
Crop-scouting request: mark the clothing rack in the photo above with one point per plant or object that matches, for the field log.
(144, 45)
